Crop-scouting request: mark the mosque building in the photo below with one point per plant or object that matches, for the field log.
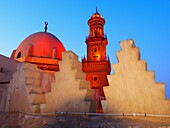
(41, 76)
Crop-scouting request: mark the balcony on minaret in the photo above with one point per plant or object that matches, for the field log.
(96, 66)
(94, 38)
(84, 60)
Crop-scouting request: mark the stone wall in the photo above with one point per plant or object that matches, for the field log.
(4, 90)
(8, 64)
(33, 90)
(26, 94)
(70, 91)
(7, 68)
(132, 88)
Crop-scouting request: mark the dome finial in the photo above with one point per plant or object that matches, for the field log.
(96, 10)
(46, 23)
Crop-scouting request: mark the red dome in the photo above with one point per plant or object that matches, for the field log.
(40, 45)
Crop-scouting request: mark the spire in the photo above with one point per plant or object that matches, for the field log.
(46, 23)
(96, 10)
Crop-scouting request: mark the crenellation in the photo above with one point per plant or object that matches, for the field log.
(69, 55)
(84, 84)
(77, 65)
(142, 64)
(42, 77)
(161, 88)
(150, 75)
(126, 44)
(68, 92)
(136, 54)
(132, 88)
(80, 75)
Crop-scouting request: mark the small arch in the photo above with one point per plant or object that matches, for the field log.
(19, 55)
(95, 33)
(95, 49)
(95, 82)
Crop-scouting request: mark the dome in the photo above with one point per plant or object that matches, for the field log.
(40, 45)
(96, 15)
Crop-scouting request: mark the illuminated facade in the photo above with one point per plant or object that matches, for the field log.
(41, 48)
(41, 77)
(97, 64)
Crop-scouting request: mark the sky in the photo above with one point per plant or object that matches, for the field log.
(147, 22)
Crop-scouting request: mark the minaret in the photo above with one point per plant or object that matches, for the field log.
(96, 65)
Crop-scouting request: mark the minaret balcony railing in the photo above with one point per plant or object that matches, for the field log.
(88, 37)
(96, 66)
(84, 60)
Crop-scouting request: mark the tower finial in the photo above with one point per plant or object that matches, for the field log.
(96, 10)
(46, 23)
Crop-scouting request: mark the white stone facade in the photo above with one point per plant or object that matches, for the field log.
(132, 88)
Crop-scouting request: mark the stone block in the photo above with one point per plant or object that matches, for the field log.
(37, 99)
(34, 89)
(29, 66)
(125, 44)
(77, 65)
(150, 74)
(80, 75)
(84, 84)
(36, 109)
(69, 55)
(32, 74)
(142, 65)
(89, 95)
(32, 81)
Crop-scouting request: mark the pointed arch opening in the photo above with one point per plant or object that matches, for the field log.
(19, 55)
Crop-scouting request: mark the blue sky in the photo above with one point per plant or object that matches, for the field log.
(145, 21)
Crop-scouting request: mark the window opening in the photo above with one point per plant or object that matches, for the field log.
(19, 55)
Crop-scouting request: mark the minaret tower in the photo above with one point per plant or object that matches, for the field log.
(96, 65)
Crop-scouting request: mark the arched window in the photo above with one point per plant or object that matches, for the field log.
(19, 55)
(95, 49)
(95, 33)
(95, 78)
